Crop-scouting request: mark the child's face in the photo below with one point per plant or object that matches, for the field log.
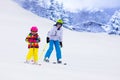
(33, 32)
(58, 25)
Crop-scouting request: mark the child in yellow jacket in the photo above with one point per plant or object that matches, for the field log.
(33, 39)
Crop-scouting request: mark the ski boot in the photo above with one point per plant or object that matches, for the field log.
(59, 61)
(46, 59)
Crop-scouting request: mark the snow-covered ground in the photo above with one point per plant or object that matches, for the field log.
(89, 56)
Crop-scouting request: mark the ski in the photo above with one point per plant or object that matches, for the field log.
(54, 62)
(33, 63)
(59, 63)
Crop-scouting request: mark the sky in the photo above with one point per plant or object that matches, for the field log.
(80, 4)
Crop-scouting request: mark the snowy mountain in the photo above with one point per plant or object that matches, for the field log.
(89, 56)
(55, 10)
(90, 26)
(90, 15)
(100, 18)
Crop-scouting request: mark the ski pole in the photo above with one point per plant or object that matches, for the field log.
(44, 48)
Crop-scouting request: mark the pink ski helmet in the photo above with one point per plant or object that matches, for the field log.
(34, 29)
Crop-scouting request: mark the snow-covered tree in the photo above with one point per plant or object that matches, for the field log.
(66, 19)
(35, 6)
(115, 23)
(26, 4)
(43, 3)
(54, 10)
(62, 14)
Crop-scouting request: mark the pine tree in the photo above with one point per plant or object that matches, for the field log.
(115, 23)
(43, 3)
(56, 11)
(52, 10)
(66, 19)
(26, 4)
(35, 6)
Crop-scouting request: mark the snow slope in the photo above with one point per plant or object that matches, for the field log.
(89, 56)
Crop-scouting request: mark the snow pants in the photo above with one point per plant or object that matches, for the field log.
(32, 53)
(50, 49)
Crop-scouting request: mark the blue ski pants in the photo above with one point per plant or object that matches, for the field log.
(50, 49)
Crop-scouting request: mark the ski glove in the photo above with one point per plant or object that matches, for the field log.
(61, 44)
(38, 40)
(47, 39)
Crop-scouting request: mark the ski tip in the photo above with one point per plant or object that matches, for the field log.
(65, 64)
(39, 64)
(54, 62)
